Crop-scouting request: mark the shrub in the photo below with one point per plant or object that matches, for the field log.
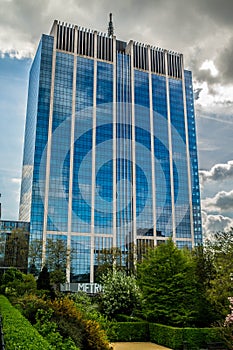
(127, 331)
(121, 294)
(48, 329)
(72, 320)
(18, 332)
(199, 337)
(29, 304)
(172, 337)
(15, 283)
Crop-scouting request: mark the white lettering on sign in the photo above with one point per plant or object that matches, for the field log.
(90, 288)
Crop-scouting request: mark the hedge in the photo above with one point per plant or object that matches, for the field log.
(130, 331)
(199, 337)
(171, 337)
(174, 338)
(18, 332)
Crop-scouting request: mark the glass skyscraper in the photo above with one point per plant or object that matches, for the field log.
(110, 156)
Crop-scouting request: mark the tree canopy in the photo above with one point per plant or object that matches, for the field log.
(169, 286)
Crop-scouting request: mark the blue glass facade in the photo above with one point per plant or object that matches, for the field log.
(110, 157)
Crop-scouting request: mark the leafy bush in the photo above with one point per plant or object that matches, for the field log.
(18, 332)
(90, 309)
(71, 322)
(29, 304)
(49, 330)
(127, 331)
(121, 294)
(93, 337)
(16, 283)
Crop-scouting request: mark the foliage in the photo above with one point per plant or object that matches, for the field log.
(57, 276)
(18, 332)
(205, 273)
(171, 337)
(199, 337)
(229, 317)
(126, 318)
(227, 329)
(93, 337)
(29, 304)
(169, 286)
(174, 337)
(48, 329)
(43, 281)
(128, 331)
(121, 294)
(220, 248)
(71, 322)
(16, 283)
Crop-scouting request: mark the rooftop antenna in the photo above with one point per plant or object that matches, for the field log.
(110, 26)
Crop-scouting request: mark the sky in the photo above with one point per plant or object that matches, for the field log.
(200, 29)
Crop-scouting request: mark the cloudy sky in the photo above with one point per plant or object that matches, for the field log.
(201, 29)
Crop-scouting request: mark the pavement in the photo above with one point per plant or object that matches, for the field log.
(137, 346)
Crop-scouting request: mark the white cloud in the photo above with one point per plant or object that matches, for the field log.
(218, 172)
(215, 223)
(222, 201)
(209, 65)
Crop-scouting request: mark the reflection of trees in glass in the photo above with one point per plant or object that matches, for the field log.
(16, 249)
(122, 260)
(56, 258)
(35, 252)
(2, 247)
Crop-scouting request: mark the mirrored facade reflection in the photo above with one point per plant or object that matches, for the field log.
(14, 244)
(110, 154)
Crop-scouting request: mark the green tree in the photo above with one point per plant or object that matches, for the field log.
(220, 248)
(121, 294)
(169, 286)
(205, 273)
(43, 281)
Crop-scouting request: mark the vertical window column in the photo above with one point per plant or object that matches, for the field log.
(134, 226)
(93, 161)
(152, 147)
(68, 269)
(114, 231)
(187, 152)
(170, 148)
(48, 158)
